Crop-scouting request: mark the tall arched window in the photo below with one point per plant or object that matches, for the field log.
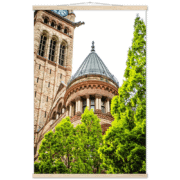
(54, 115)
(66, 30)
(84, 104)
(103, 106)
(109, 105)
(42, 45)
(92, 103)
(46, 20)
(52, 49)
(62, 54)
(53, 24)
(59, 27)
(60, 108)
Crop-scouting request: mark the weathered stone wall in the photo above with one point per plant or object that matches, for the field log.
(48, 73)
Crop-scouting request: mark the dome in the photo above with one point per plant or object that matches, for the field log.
(93, 65)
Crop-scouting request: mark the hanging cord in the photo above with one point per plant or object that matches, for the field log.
(90, 3)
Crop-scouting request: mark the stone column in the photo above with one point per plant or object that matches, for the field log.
(47, 48)
(98, 103)
(78, 103)
(37, 38)
(108, 105)
(63, 110)
(70, 110)
(67, 63)
(57, 51)
(67, 111)
(87, 101)
(80, 106)
(57, 116)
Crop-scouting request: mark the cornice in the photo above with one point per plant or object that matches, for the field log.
(77, 98)
(53, 63)
(98, 96)
(56, 29)
(90, 83)
(61, 18)
(92, 75)
(42, 58)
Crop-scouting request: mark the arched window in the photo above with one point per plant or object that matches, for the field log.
(66, 30)
(103, 106)
(52, 50)
(84, 105)
(42, 45)
(59, 27)
(109, 105)
(45, 20)
(92, 104)
(60, 108)
(52, 24)
(54, 115)
(62, 54)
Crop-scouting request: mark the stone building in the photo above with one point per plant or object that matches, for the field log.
(57, 93)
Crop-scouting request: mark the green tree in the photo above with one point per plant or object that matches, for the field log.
(64, 141)
(55, 152)
(46, 153)
(89, 135)
(124, 144)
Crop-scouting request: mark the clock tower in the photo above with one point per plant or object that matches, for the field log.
(53, 52)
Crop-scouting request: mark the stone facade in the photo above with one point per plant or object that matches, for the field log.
(56, 95)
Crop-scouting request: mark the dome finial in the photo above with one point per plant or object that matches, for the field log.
(93, 47)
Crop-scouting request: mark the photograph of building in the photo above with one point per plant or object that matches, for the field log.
(57, 94)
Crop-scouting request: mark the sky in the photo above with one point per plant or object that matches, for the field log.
(112, 33)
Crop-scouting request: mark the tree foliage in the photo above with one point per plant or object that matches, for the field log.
(71, 150)
(89, 136)
(124, 144)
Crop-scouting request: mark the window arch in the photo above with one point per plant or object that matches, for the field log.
(84, 105)
(52, 49)
(59, 110)
(59, 27)
(109, 105)
(92, 103)
(46, 20)
(53, 23)
(42, 44)
(62, 54)
(54, 115)
(103, 106)
(66, 30)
